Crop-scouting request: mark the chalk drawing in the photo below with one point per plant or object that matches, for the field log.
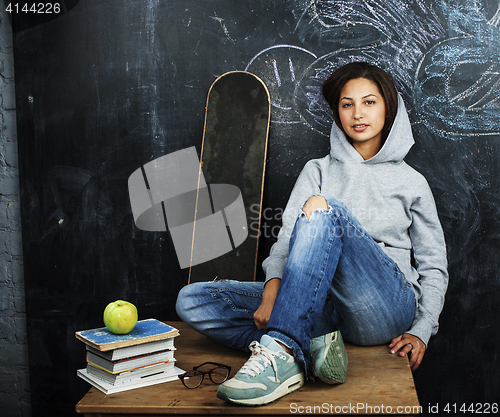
(224, 27)
(495, 20)
(387, 33)
(457, 83)
(407, 29)
(278, 67)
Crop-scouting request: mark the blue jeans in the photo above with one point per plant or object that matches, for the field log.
(336, 278)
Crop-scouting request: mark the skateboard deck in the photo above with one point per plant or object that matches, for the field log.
(233, 153)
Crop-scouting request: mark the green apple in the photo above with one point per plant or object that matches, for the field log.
(120, 317)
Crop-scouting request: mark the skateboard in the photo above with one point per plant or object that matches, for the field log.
(233, 161)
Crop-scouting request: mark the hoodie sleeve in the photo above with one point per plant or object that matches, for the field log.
(308, 183)
(429, 251)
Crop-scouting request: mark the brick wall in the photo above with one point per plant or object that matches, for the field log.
(14, 372)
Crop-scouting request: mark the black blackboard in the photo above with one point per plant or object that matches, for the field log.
(109, 85)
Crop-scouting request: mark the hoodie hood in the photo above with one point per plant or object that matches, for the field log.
(395, 148)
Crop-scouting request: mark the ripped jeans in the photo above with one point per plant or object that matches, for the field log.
(336, 278)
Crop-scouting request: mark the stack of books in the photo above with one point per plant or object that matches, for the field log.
(143, 357)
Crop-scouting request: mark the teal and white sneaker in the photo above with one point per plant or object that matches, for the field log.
(269, 374)
(329, 358)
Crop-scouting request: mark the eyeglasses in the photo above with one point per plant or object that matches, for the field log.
(193, 379)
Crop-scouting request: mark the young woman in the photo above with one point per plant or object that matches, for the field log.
(360, 256)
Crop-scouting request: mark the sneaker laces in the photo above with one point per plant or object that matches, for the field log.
(261, 358)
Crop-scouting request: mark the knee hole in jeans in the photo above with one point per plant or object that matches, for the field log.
(313, 203)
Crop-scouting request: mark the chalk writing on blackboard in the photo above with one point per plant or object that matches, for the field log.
(458, 81)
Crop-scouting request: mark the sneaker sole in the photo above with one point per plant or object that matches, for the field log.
(290, 385)
(334, 362)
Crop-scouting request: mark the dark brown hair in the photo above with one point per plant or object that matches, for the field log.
(333, 86)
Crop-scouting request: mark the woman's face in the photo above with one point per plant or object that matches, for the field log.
(362, 112)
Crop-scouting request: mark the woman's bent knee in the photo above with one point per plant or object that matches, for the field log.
(313, 203)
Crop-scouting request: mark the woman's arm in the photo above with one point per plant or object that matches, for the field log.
(429, 252)
(261, 316)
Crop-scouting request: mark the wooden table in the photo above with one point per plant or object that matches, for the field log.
(377, 383)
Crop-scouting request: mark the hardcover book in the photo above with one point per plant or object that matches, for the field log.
(128, 352)
(135, 375)
(108, 388)
(145, 331)
(128, 364)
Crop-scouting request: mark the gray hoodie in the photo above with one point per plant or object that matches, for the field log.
(394, 204)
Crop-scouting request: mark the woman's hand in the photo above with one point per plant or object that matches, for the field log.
(261, 316)
(403, 344)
